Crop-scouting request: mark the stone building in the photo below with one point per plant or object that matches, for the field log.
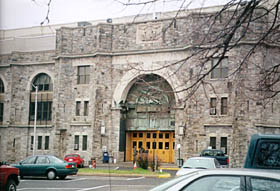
(112, 86)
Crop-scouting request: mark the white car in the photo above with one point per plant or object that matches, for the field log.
(224, 180)
(197, 163)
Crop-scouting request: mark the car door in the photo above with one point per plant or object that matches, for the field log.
(26, 166)
(41, 165)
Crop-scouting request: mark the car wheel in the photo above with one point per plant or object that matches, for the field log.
(51, 175)
(62, 177)
(11, 186)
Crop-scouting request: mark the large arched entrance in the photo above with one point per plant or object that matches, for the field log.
(149, 118)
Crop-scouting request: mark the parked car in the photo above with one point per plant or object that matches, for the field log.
(217, 154)
(75, 158)
(9, 177)
(197, 163)
(46, 165)
(263, 152)
(224, 179)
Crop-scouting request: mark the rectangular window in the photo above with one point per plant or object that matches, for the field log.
(220, 71)
(213, 105)
(160, 145)
(76, 142)
(32, 142)
(148, 145)
(223, 106)
(84, 142)
(83, 74)
(1, 111)
(47, 142)
(86, 108)
(39, 142)
(166, 146)
(224, 144)
(213, 142)
(154, 145)
(140, 144)
(44, 111)
(78, 108)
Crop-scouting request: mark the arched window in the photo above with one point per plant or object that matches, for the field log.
(44, 100)
(2, 89)
(43, 82)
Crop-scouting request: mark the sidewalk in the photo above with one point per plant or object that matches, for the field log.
(170, 170)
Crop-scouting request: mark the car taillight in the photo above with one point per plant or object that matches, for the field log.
(68, 166)
(227, 160)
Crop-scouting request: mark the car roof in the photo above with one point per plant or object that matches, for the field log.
(241, 171)
(201, 158)
(72, 154)
(211, 150)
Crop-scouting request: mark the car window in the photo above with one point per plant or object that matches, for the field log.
(267, 155)
(30, 160)
(215, 183)
(265, 184)
(42, 160)
(199, 163)
(54, 159)
(71, 155)
(207, 153)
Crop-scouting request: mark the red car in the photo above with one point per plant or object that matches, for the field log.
(9, 177)
(75, 158)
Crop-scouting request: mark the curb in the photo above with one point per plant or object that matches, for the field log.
(125, 175)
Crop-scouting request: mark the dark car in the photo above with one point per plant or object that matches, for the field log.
(225, 179)
(75, 158)
(263, 152)
(217, 154)
(46, 165)
(9, 177)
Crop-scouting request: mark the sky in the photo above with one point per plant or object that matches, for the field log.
(29, 13)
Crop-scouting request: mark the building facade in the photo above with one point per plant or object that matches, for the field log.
(115, 86)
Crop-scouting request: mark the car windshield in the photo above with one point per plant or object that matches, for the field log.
(54, 159)
(172, 182)
(212, 153)
(68, 156)
(199, 163)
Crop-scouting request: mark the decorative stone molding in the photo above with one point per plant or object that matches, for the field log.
(149, 33)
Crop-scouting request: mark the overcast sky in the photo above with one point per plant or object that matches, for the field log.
(28, 13)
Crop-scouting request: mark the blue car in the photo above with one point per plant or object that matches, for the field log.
(46, 165)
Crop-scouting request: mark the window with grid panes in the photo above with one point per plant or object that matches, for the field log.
(223, 106)
(76, 142)
(44, 99)
(221, 71)
(83, 74)
(213, 105)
